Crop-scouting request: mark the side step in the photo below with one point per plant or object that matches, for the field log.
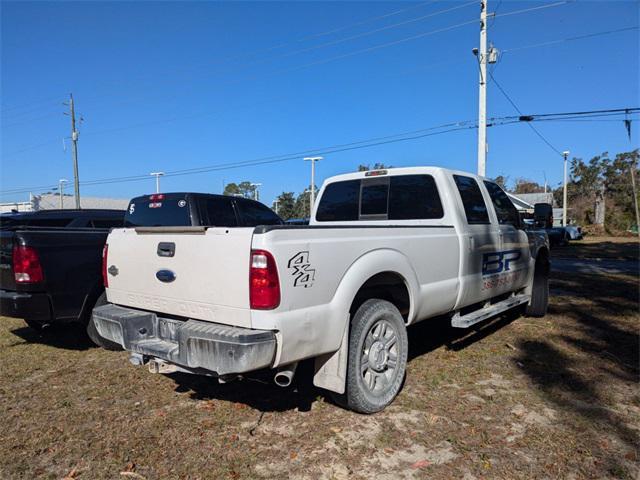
(465, 321)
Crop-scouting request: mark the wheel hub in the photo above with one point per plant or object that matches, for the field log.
(378, 356)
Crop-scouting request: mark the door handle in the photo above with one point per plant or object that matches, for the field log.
(166, 249)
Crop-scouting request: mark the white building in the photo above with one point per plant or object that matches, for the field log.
(51, 201)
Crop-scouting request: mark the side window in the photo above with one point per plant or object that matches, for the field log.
(474, 207)
(414, 197)
(254, 214)
(339, 202)
(374, 197)
(217, 212)
(107, 222)
(505, 211)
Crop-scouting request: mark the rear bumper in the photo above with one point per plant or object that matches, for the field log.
(193, 344)
(33, 306)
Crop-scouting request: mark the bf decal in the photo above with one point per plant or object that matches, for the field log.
(498, 262)
(302, 272)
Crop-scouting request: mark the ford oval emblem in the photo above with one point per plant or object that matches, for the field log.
(166, 276)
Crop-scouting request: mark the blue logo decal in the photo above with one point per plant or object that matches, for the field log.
(166, 276)
(497, 262)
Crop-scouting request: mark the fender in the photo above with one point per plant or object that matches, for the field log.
(331, 368)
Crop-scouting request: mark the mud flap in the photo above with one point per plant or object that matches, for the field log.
(331, 368)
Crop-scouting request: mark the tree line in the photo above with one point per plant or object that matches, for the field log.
(599, 191)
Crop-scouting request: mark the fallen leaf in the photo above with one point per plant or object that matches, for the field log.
(72, 474)
(336, 429)
(421, 464)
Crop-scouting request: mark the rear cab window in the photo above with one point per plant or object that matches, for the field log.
(394, 197)
(159, 210)
(217, 211)
(253, 214)
(475, 208)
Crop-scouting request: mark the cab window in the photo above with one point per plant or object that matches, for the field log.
(474, 207)
(505, 211)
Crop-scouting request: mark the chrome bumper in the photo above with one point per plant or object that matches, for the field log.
(193, 344)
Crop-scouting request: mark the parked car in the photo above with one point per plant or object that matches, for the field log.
(543, 219)
(384, 249)
(574, 232)
(50, 264)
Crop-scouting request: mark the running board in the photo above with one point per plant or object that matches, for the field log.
(491, 310)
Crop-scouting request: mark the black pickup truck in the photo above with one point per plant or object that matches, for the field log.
(50, 264)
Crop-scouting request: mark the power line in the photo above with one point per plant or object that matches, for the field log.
(375, 141)
(570, 39)
(367, 143)
(520, 112)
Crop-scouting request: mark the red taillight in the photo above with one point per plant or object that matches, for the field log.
(156, 196)
(26, 265)
(105, 254)
(264, 285)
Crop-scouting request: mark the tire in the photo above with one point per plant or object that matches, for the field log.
(38, 327)
(537, 306)
(377, 336)
(92, 331)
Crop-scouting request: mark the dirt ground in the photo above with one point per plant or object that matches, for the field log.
(526, 398)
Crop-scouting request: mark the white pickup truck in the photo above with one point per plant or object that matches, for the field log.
(384, 249)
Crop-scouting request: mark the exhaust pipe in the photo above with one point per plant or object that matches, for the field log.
(284, 375)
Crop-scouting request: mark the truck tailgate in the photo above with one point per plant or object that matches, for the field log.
(7, 280)
(190, 272)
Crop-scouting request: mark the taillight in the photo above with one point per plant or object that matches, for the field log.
(105, 254)
(264, 285)
(156, 196)
(26, 265)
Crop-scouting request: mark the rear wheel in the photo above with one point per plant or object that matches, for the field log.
(92, 331)
(539, 302)
(378, 347)
(38, 327)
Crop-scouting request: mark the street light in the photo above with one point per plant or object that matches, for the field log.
(61, 183)
(256, 194)
(565, 154)
(313, 161)
(157, 175)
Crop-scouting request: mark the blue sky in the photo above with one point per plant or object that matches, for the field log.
(176, 85)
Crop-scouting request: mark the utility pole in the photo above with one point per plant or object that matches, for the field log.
(74, 149)
(635, 196)
(482, 97)
(313, 161)
(157, 175)
(565, 154)
(61, 183)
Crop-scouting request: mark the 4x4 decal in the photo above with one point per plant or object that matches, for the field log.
(303, 274)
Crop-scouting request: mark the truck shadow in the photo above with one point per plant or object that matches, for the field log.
(67, 337)
(259, 392)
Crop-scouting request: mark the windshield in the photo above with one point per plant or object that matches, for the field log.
(159, 210)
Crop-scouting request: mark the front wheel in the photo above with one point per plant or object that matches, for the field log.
(539, 302)
(92, 331)
(378, 347)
